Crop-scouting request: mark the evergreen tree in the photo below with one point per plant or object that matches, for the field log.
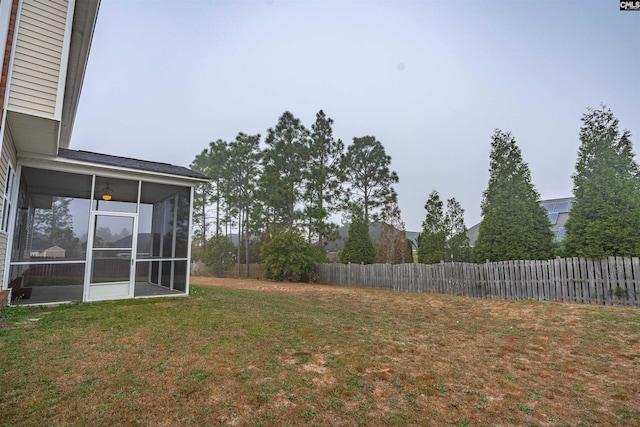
(322, 179)
(393, 247)
(432, 242)
(284, 162)
(457, 248)
(605, 216)
(358, 248)
(54, 227)
(243, 166)
(202, 196)
(514, 224)
(365, 169)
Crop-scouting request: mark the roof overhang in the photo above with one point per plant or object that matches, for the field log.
(44, 135)
(84, 23)
(90, 168)
(34, 134)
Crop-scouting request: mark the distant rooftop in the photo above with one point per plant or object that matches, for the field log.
(557, 211)
(125, 162)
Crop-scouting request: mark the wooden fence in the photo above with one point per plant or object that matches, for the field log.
(614, 280)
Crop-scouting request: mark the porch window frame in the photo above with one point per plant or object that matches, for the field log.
(7, 199)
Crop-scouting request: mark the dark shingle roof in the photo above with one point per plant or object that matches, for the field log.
(125, 162)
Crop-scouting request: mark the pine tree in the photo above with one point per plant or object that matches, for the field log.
(243, 167)
(322, 179)
(605, 216)
(514, 224)
(284, 162)
(457, 247)
(202, 195)
(365, 169)
(358, 248)
(432, 242)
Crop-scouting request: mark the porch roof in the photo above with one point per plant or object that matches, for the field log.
(125, 162)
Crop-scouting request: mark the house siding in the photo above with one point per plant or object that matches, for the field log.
(8, 155)
(38, 57)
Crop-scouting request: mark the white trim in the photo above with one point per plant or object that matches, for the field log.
(90, 249)
(160, 259)
(66, 165)
(12, 226)
(188, 274)
(134, 249)
(8, 198)
(64, 64)
(161, 296)
(78, 261)
(176, 199)
(90, 232)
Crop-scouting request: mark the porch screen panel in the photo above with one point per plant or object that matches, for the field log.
(156, 228)
(182, 223)
(180, 276)
(169, 229)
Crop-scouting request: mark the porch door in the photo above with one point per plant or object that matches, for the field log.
(112, 256)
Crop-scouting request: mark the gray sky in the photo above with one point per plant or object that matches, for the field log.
(431, 80)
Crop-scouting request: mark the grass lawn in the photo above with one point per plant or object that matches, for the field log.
(325, 356)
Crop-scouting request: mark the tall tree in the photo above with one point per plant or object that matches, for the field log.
(211, 162)
(202, 195)
(322, 178)
(457, 245)
(243, 166)
(358, 248)
(365, 169)
(514, 224)
(54, 227)
(218, 170)
(605, 216)
(393, 247)
(284, 161)
(432, 242)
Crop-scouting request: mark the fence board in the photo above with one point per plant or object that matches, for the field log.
(628, 280)
(635, 293)
(613, 280)
(571, 265)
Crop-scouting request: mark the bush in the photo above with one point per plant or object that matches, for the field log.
(217, 255)
(287, 256)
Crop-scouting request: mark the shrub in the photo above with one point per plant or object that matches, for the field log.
(217, 255)
(288, 256)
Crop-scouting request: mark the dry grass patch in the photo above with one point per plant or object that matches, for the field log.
(261, 353)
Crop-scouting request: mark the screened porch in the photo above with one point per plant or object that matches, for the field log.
(89, 237)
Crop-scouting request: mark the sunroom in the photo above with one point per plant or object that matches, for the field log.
(90, 227)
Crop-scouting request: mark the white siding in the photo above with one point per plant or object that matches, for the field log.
(38, 57)
(8, 154)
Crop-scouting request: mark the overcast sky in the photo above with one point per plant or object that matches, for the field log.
(431, 80)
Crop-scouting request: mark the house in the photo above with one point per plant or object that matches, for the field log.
(557, 211)
(47, 252)
(76, 199)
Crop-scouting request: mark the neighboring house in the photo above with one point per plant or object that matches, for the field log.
(557, 211)
(50, 252)
(45, 45)
(375, 232)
